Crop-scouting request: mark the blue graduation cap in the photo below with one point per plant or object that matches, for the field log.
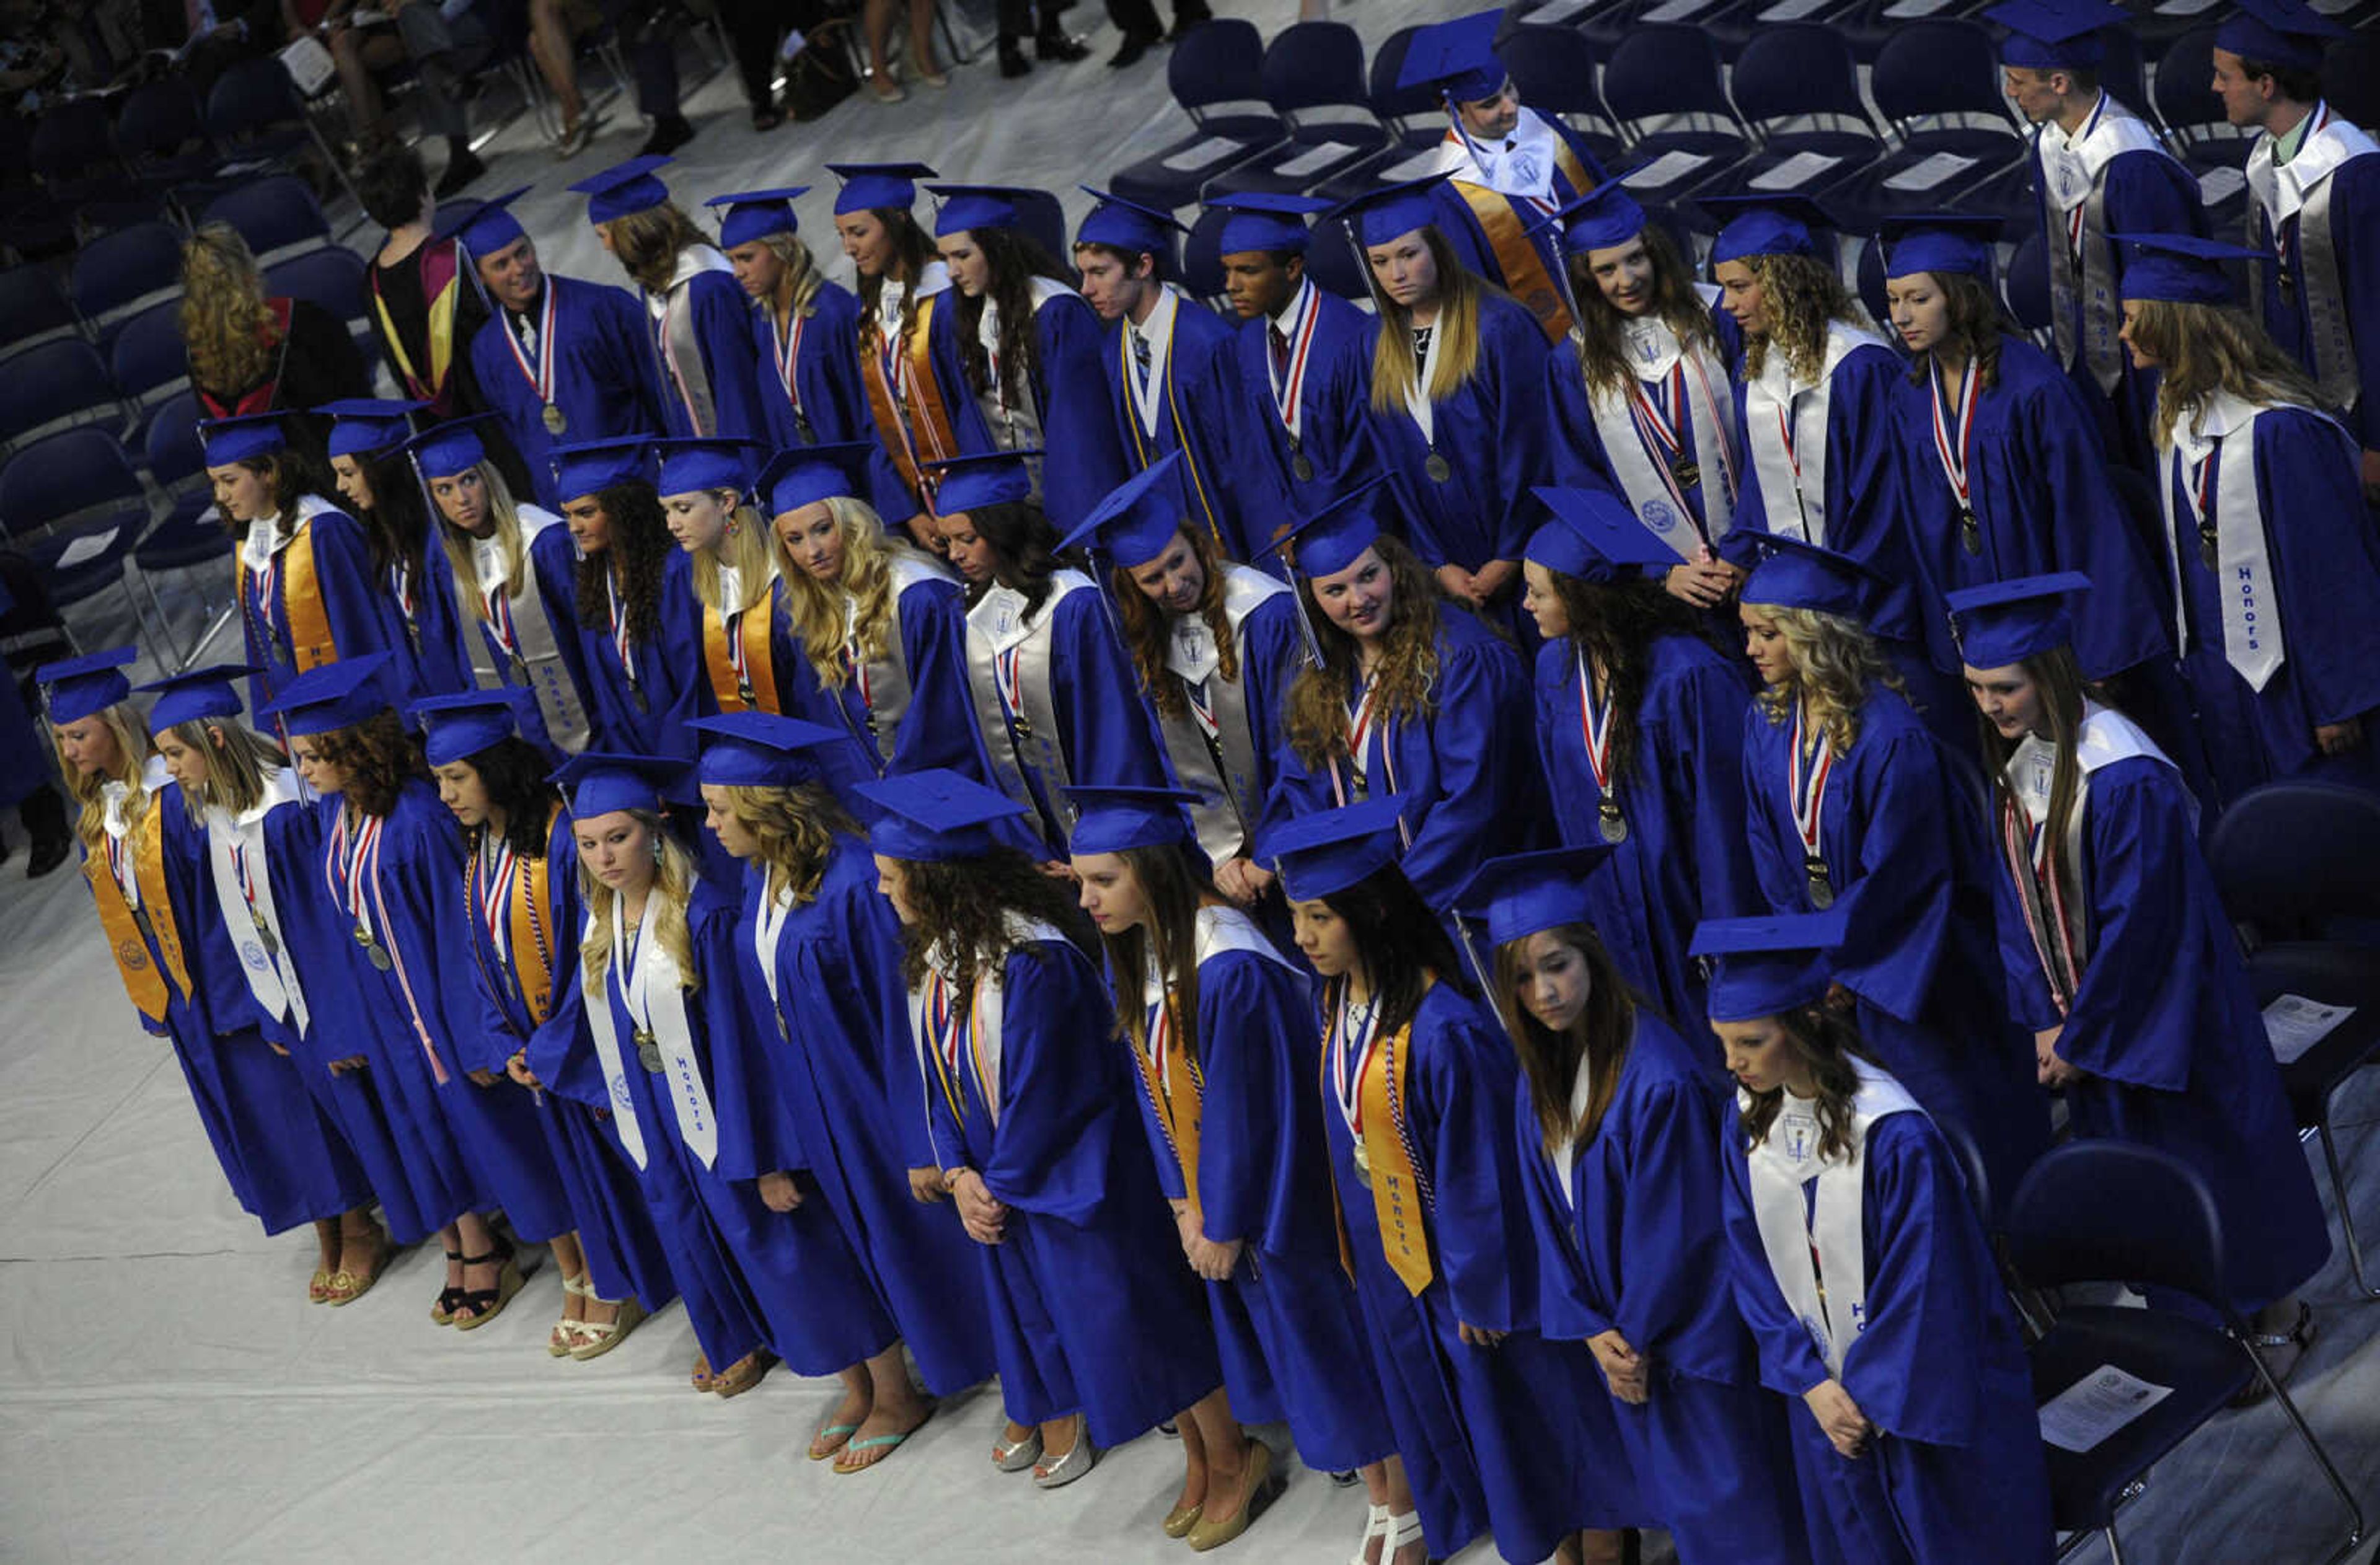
(1330, 850)
(74, 688)
(448, 450)
(456, 727)
(1777, 223)
(1138, 519)
(1115, 819)
(1457, 58)
(803, 475)
(2278, 32)
(2004, 622)
(1261, 219)
(1525, 894)
(1604, 216)
(196, 693)
(241, 439)
(624, 189)
(992, 477)
(335, 696)
(1126, 225)
(705, 462)
(2055, 34)
(1769, 965)
(1939, 242)
(359, 425)
(1391, 211)
(1794, 575)
(871, 187)
(486, 228)
(1329, 540)
(965, 208)
(760, 749)
(2178, 268)
(934, 816)
(581, 471)
(1594, 535)
(756, 214)
(600, 782)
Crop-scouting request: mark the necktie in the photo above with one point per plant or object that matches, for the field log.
(1279, 351)
(1140, 353)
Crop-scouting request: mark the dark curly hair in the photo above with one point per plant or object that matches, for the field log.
(1615, 624)
(1026, 546)
(963, 906)
(1148, 630)
(1400, 939)
(515, 775)
(377, 756)
(640, 538)
(396, 529)
(1016, 259)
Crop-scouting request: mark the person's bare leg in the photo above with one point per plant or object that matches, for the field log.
(1599, 1547)
(355, 80)
(1401, 1503)
(570, 1262)
(921, 40)
(877, 18)
(1221, 1471)
(549, 43)
(896, 1408)
(327, 1243)
(858, 1397)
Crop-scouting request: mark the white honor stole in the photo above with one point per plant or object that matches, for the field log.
(768, 933)
(1644, 477)
(2087, 313)
(1785, 424)
(1213, 745)
(1833, 1309)
(249, 910)
(1009, 674)
(980, 1030)
(615, 1076)
(2243, 568)
(2300, 188)
(534, 647)
(650, 985)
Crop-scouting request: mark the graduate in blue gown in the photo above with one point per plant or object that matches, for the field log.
(1500, 1426)
(521, 896)
(2270, 551)
(1859, 1264)
(561, 361)
(660, 944)
(367, 459)
(639, 632)
(1851, 804)
(1098, 1330)
(1304, 358)
(1616, 1122)
(698, 319)
(1451, 744)
(2119, 958)
(1016, 355)
(1052, 685)
(1218, 1023)
(303, 579)
(1640, 737)
(1457, 404)
(817, 951)
(806, 335)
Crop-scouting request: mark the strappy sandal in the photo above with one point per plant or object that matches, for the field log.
(1376, 1525)
(597, 1338)
(317, 1287)
(2299, 1336)
(486, 1304)
(344, 1287)
(563, 1337)
(744, 1374)
(449, 1299)
(1403, 1530)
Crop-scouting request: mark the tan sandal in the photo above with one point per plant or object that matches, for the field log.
(744, 1374)
(565, 1337)
(597, 1338)
(486, 1304)
(345, 1287)
(702, 1378)
(317, 1287)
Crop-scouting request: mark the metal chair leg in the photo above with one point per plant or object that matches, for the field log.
(2345, 1208)
(2114, 1551)
(2305, 1433)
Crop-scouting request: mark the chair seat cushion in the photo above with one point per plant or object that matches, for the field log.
(98, 549)
(2203, 1368)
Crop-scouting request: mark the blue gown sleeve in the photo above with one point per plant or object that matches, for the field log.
(1249, 1010)
(2127, 618)
(556, 568)
(1696, 739)
(1061, 1078)
(1082, 461)
(2030, 1002)
(2138, 1010)
(939, 728)
(1515, 369)
(1483, 742)
(1900, 914)
(1109, 738)
(1565, 1312)
(1462, 1078)
(1670, 1234)
(1275, 652)
(1915, 1370)
(756, 1133)
(2326, 557)
(1170, 1180)
(2149, 192)
(1575, 446)
(722, 323)
(1867, 495)
(618, 319)
(361, 618)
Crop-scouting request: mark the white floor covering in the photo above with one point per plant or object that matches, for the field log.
(166, 1394)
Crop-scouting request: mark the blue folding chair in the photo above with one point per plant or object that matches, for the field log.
(33, 309)
(2292, 862)
(272, 215)
(1334, 262)
(2024, 286)
(161, 133)
(119, 275)
(75, 507)
(1664, 91)
(2113, 1211)
(149, 364)
(1415, 120)
(1216, 74)
(191, 533)
(56, 386)
(2210, 145)
(255, 116)
(333, 278)
(1797, 86)
(1313, 76)
(1554, 69)
(1936, 83)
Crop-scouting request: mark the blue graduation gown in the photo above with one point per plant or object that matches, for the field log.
(2037, 479)
(1197, 408)
(1901, 835)
(848, 1076)
(1080, 461)
(800, 695)
(430, 654)
(606, 378)
(1334, 424)
(1576, 449)
(352, 601)
(938, 727)
(1505, 1437)
(1471, 786)
(2166, 1028)
(1630, 1244)
(554, 591)
(1090, 1307)
(1684, 857)
(2355, 239)
(669, 672)
(731, 368)
(1455, 220)
(2325, 564)
(1492, 432)
(1957, 1476)
(834, 402)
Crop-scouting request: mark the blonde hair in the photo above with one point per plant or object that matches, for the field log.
(1314, 718)
(646, 244)
(228, 328)
(133, 749)
(745, 545)
(235, 767)
(2201, 349)
(1396, 367)
(796, 827)
(673, 883)
(1803, 296)
(457, 543)
(814, 609)
(1836, 663)
(802, 279)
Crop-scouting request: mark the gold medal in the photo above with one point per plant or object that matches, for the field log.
(556, 422)
(1435, 465)
(1821, 888)
(1687, 474)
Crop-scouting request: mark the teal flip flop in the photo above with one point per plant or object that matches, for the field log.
(845, 1430)
(877, 1442)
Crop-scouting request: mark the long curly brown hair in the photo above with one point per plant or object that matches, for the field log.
(2201, 350)
(1803, 294)
(1025, 550)
(640, 543)
(962, 905)
(1602, 330)
(1826, 1043)
(1015, 260)
(229, 331)
(1978, 322)
(797, 828)
(1614, 626)
(1147, 629)
(1602, 1032)
(1176, 885)
(378, 757)
(1314, 719)
(515, 777)
(646, 244)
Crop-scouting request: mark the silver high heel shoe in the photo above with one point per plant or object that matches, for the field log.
(1074, 1464)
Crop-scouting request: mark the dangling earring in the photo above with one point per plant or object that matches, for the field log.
(657, 850)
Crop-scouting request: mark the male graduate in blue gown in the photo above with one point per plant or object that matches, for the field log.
(1172, 373)
(2098, 168)
(561, 359)
(2313, 208)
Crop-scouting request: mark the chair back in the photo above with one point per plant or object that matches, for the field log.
(2292, 856)
(57, 479)
(1968, 1153)
(2025, 284)
(1393, 103)
(1790, 69)
(1334, 263)
(2117, 1211)
(148, 357)
(332, 278)
(117, 269)
(1315, 65)
(1217, 62)
(158, 119)
(176, 453)
(252, 97)
(1868, 270)
(1662, 73)
(1938, 66)
(53, 384)
(33, 306)
(1202, 255)
(271, 214)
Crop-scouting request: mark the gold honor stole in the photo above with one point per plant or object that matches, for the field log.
(531, 946)
(760, 666)
(1526, 278)
(1399, 1193)
(925, 400)
(1144, 458)
(440, 278)
(301, 604)
(142, 980)
(1177, 1098)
